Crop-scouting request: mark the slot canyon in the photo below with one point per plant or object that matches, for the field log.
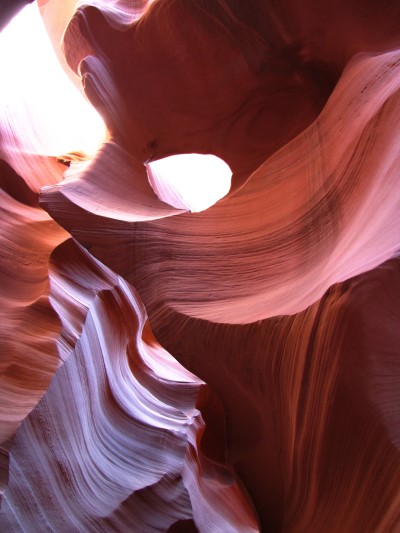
(200, 266)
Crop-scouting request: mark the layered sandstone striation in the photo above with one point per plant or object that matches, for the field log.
(229, 370)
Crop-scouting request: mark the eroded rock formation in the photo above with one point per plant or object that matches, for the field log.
(232, 370)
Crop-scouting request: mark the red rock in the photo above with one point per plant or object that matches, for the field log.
(233, 370)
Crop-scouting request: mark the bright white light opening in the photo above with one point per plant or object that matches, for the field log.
(190, 181)
(39, 105)
(42, 112)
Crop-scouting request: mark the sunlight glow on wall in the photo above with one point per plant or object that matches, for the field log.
(48, 115)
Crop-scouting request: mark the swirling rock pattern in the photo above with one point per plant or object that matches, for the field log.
(112, 446)
(29, 326)
(233, 370)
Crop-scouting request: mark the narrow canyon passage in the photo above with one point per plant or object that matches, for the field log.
(200, 273)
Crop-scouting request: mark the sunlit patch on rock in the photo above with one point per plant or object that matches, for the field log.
(199, 267)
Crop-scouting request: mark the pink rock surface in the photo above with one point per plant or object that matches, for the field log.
(112, 446)
(29, 326)
(231, 370)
